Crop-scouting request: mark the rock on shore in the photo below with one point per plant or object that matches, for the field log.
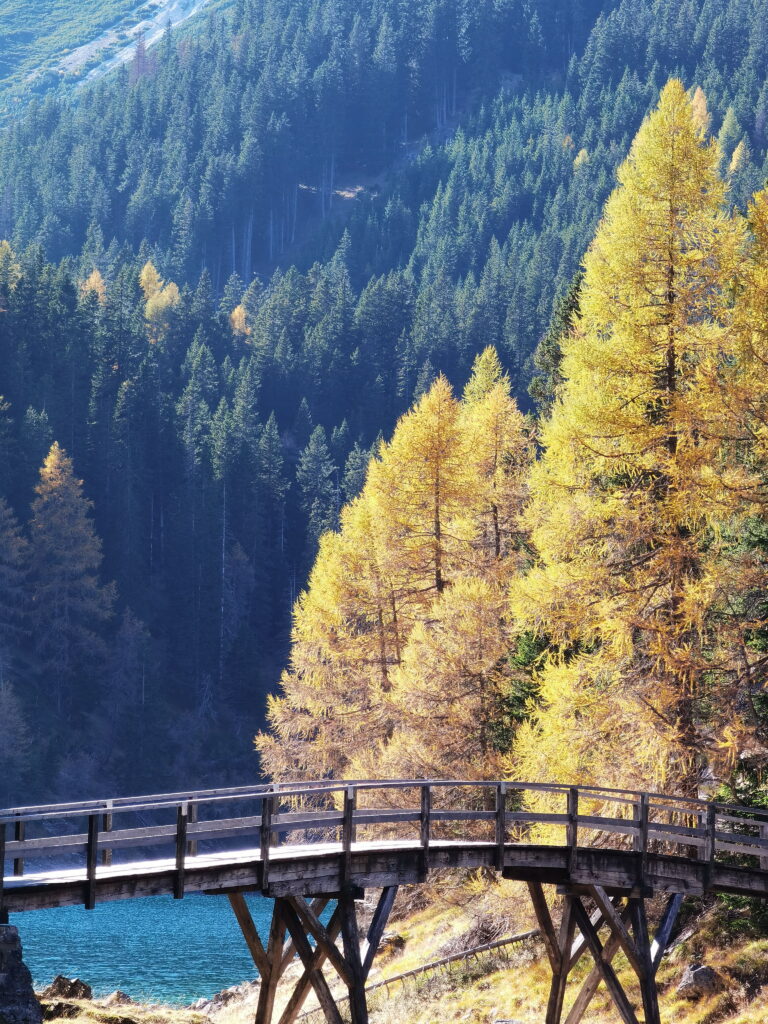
(18, 1004)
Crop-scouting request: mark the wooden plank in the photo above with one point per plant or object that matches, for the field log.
(47, 844)
(377, 926)
(612, 983)
(250, 934)
(528, 817)
(546, 927)
(463, 815)
(371, 816)
(316, 978)
(664, 931)
(92, 853)
(304, 984)
(593, 979)
(351, 939)
(181, 850)
(741, 848)
(614, 921)
(298, 822)
(314, 927)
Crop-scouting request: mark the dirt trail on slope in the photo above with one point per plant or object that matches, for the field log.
(152, 27)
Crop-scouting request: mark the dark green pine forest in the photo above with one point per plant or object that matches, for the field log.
(228, 268)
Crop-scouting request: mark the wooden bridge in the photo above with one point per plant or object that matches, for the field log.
(309, 845)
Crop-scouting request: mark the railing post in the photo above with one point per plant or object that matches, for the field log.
(181, 850)
(425, 823)
(501, 823)
(192, 815)
(18, 834)
(640, 841)
(710, 845)
(572, 828)
(347, 832)
(265, 837)
(91, 859)
(764, 835)
(3, 911)
(106, 826)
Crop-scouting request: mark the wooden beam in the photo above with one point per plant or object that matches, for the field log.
(612, 983)
(18, 835)
(3, 911)
(647, 977)
(633, 954)
(351, 938)
(289, 950)
(560, 975)
(304, 984)
(425, 816)
(593, 979)
(377, 926)
(316, 977)
(316, 929)
(546, 927)
(579, 947)
(268, 990)
(250, 934)
(347, 833)
(664, 931)
(90, 860)
(501, 823)
(181, 851)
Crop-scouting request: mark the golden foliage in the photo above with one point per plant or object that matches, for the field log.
(94, 284)
(391, 592)
(644, 489)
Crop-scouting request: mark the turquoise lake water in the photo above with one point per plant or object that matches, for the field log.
(156, 948)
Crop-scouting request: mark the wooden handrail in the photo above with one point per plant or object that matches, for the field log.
(649, 819)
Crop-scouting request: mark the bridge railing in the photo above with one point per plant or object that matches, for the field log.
(93, 836)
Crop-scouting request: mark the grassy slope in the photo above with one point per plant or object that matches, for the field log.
(36, 32)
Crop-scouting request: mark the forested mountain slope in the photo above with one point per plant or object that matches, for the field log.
(218, 419)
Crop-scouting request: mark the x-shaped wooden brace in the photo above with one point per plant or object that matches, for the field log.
(302, 921)
(564, 953)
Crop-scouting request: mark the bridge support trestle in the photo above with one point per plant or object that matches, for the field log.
(295, 921)
(589, 909)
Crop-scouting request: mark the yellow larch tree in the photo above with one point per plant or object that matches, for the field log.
(644, 486)
(161, 297)
(388, 590)
(500, 449)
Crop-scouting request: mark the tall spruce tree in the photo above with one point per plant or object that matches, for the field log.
(70, 604)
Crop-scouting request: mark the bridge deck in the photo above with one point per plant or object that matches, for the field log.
(375, 833)
(309, 843)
